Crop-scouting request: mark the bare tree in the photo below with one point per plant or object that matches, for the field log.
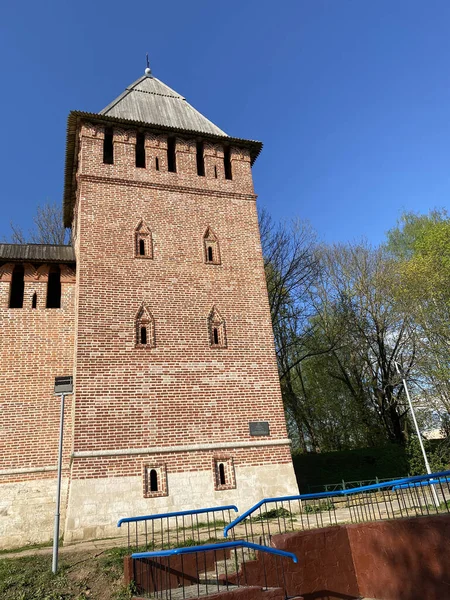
(48, 227)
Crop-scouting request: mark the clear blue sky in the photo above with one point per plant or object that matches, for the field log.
(350, 97)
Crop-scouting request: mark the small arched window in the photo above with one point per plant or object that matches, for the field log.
(34, 301)
(143, 242)
(211, 247)
(17, 287)
(224, 475)
(153, 480)
(145, 328)
(216, 327)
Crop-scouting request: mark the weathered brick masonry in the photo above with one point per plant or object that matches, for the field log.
(171, 339)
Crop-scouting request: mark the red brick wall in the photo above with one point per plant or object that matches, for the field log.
(35, 346)
(181, 391)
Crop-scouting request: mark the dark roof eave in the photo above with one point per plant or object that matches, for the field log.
(37, 253)
(75, 116)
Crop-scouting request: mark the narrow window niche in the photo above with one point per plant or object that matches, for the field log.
(216, 329)
(171, 155)
(224, 475)
(200, 159)
(17, 287)
(34, 300)
(140, 150)
(155, 481)
(227, 162)
(54, 288)
(108, 146)
(145, 328)
(143, 242)
(211, 247)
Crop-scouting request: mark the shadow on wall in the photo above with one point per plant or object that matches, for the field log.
(404, 559)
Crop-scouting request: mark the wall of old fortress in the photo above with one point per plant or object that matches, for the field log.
(35, 346)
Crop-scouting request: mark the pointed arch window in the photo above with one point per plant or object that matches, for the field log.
(211, 247)
(143, 242)
(145, 328)
(216, 329)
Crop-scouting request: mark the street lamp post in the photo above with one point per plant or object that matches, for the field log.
(416, 425)
(63, 386)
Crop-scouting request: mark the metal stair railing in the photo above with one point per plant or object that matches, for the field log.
(406, 497)
(174, 529)
(180, 573)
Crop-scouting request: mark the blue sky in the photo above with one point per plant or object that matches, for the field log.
(350, 97)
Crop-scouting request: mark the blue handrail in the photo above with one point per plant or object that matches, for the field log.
(221, 546)
(366, 488)
(182, 513)
(420, 483)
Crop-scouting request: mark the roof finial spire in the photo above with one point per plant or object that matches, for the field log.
(148, 71)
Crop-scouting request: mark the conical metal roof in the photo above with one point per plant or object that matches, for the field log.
(151, 101)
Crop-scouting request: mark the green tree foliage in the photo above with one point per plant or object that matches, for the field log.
(438, 455)
(343, 316)
(420, 245)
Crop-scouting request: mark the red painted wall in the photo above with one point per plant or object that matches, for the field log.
(406, 559)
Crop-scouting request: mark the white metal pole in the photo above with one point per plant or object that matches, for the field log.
(416, 425)
(58, 491)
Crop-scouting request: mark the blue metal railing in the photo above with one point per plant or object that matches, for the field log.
(169, 530)
(181, 513)
(431, 481)
(397, 498)
(210, 568)
(215, 547)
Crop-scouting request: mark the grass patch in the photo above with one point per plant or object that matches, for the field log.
(29, 547)
(275, 513)
(324, 506)
(203, 525)
(30, 578)
(81, 576)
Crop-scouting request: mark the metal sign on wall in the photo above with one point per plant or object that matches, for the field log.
(64, 385)
(259, 428)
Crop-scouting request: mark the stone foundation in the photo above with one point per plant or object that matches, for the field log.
(95, 505)
(27, 511)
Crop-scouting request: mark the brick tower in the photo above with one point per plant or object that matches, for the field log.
(177, 401)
